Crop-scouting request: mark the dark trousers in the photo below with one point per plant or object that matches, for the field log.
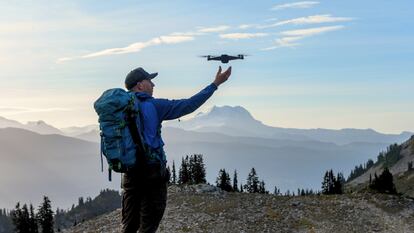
(144, 199)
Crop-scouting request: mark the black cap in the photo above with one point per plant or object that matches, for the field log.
(137, 75)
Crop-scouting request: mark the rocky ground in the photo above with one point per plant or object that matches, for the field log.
(204, 208)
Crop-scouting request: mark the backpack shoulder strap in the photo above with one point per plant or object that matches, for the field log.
(134, 112)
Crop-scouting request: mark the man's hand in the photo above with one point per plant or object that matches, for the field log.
(222, 77)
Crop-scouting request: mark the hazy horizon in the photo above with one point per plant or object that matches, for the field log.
(189, 117)
(318, 64)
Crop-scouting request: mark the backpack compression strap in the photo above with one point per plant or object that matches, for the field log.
(136, 135)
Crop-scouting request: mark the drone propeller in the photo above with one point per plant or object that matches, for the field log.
(205, 56)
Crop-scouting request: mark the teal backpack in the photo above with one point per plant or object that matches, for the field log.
(121, 130)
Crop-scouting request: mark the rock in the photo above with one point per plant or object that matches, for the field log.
(204, 208)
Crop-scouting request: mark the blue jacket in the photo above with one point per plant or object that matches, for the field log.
(156, 110)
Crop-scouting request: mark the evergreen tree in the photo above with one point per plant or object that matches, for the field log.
(192, 164)
(183, 174)
(33, 227)
(197, 169)
(262, 187)
(174, 175)
(45, 216)
(80, 201)
(252, 183)
(276, 191)
(223, 181)
(241, 188)
(18, 220)
(332, 184)
(338, 184)
(369, 164)
(384, 183)
(24, 219)
(287, 193)
(325, 183)
(235, 187)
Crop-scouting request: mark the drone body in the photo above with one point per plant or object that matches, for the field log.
(224, 58)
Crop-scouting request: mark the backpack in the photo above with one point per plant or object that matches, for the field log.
(120, 129)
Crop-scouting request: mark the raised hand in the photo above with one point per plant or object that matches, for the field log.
(222, 77)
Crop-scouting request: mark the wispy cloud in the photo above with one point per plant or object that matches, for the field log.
(237, 36)
(311, 31)
(187, 34)
(313, 19)
(285, 42)
(132, 48)
(173, 38)
(246, 26)
(304, 4)
(271, 19)
(214, 29)
(290, 38)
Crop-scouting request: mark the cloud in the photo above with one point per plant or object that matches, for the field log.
(246, 26)
(237, 36)
(290, 38)
(173, 38)
(132, 48)
(214, 29)
(313, 19)
(311, 31)
(285, 42)
(304, 4)
(187, 34)
(136, 47)
(271, 19)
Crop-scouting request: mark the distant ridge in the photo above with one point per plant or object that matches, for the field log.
(61, 167)
(232, 121)
(40, 127)
(237, 121)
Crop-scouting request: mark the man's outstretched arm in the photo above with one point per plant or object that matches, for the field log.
(173, 109)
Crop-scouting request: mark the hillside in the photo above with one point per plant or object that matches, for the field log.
(204, 208)
(403, 179)
(61, 163)
(63, 168)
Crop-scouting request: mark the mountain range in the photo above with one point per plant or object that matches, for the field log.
(237, 121)
(38, 158)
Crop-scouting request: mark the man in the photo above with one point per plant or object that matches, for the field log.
(144, 195)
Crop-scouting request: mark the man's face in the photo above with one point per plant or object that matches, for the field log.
(146, 86)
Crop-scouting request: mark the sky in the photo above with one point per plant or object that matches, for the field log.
(312, 64)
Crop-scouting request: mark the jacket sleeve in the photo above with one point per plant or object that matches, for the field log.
(173, 109)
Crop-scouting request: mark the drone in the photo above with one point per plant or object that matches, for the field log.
(224, 58)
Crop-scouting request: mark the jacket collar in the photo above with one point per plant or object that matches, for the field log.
(143, 96)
